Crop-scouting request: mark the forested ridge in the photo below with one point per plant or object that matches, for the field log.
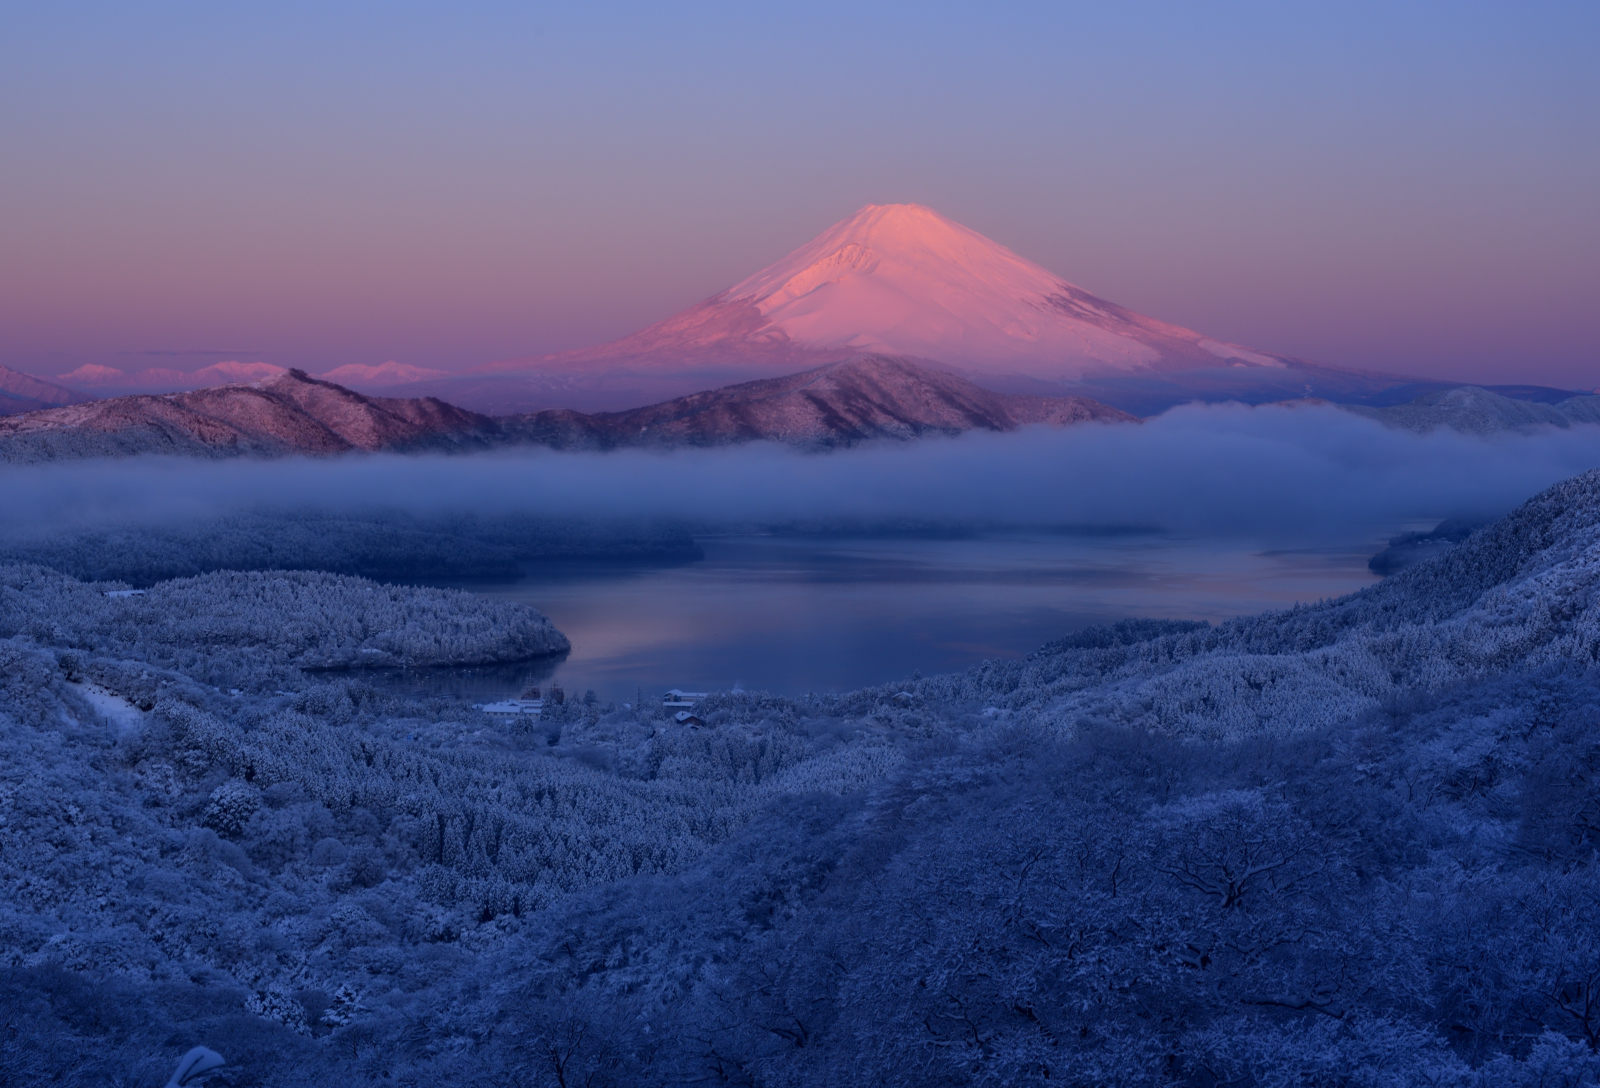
(388, 546)
(1350, 843)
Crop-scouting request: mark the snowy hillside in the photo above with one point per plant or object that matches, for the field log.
(1473, 410)
(865, 399)
(1349, 843)
(858, 400)
(286, 414)
(254, 629)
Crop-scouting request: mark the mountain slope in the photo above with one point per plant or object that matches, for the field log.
(1474, 410)
(21, 392)
(840, 404)
(288, 414)
(900, 279)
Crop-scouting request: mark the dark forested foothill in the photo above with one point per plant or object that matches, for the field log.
(1409, 549)
(1353, 843)
(390, 546)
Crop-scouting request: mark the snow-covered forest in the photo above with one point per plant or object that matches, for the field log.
(1352, 843)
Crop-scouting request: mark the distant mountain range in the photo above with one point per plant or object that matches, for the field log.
(892, 281)
(861, 399)
(109, 381)
(841, 404)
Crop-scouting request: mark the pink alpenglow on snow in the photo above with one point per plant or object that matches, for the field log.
(896, 279)
(226, 373)
(390, 373)
(166, 379)
(903, 279)
(93, 374)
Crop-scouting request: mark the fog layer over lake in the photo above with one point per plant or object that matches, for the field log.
(1276, 475)
(1203, 512)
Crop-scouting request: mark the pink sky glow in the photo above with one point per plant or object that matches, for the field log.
(308, 188)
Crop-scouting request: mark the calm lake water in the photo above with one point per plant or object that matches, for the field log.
(791, 615)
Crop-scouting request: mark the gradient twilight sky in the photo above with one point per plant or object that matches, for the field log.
(1411, 187)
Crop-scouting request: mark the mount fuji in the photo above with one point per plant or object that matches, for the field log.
(903, 280)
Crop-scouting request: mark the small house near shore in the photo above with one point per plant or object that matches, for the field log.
(533, 707)
(677, 699)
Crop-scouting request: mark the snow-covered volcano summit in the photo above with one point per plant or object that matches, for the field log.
(902, 278)
(899, 279)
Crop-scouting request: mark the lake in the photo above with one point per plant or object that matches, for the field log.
(794, 614)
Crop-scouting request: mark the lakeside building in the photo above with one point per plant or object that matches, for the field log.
(677, 699)
(533, 707)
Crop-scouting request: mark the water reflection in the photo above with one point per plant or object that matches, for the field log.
(791, 614)
(471, 684)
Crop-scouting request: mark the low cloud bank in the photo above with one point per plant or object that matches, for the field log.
(1272, 475)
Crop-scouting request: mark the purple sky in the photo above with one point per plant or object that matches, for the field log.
(1413, 188)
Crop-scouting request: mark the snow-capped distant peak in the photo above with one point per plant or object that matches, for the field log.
(902, 278)
(892, 279)
(914, 240)
(390, 373)
(234, 371)
(94, 374)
